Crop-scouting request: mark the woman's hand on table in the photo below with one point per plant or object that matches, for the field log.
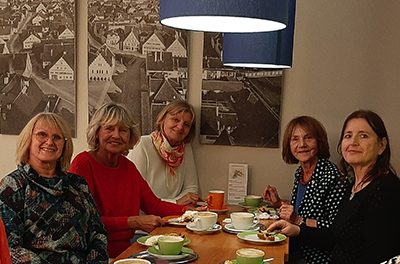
(189, 198)
(145, 222)
(271, 195)
(285, 227)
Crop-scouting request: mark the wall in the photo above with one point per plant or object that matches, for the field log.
(346, 57)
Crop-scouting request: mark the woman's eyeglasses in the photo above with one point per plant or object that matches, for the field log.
(43, 137)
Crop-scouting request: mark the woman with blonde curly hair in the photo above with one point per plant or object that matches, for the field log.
(117, 186)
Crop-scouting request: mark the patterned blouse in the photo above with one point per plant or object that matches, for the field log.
(51, 220)
(320, 202)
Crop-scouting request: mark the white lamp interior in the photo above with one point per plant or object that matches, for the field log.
(222, 24)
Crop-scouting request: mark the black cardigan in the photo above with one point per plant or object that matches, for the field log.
(366, 226)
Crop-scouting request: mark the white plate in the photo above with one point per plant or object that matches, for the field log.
(231, 229)
(197, 230)
(264, 216)
(252, 237)
(154, 252)
(175, 221)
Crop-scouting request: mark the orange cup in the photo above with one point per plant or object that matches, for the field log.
(215, 199)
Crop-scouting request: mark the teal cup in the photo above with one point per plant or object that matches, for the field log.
(253, 200)
(249, 256)
(170, 245)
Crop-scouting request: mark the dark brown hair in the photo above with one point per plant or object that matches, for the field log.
(314, 128)
(382, 164)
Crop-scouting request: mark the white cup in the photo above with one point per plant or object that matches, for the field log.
(243, 220)
(205, 220)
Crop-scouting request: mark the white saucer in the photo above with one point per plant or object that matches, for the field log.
(197, 230)
(230, 229)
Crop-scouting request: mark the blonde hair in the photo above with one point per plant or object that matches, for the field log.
(174, 108)
(112, 114)
(25, 139)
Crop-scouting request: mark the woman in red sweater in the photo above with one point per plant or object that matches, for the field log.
(117, 186)
(4, 250)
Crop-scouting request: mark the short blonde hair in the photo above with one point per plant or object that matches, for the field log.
(174, 108)
(25, 139)
(112, 114)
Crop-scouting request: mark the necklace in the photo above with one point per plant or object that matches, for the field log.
(302, 178)
(353, 192)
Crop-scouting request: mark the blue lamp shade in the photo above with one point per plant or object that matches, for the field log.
(261, 50)
(225, 15)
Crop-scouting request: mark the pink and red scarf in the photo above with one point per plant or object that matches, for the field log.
(172, 155)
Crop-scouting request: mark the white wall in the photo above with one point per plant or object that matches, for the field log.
(346, 57)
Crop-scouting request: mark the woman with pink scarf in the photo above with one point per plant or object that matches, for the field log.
(165, 158)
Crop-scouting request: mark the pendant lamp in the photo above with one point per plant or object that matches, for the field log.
(225, 15)
(261, 50)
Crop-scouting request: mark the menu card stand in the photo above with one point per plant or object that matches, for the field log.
(237, 182)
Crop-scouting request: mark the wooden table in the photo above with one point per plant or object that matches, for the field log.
(217, 247)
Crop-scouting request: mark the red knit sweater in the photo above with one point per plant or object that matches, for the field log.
(4, 250)
(120, 192)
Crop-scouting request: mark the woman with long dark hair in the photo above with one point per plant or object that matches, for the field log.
(371, 203)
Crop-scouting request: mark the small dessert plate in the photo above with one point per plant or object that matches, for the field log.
(174, 220)
(199, 231)
(264, 216)
(255, 209)
(252, 237)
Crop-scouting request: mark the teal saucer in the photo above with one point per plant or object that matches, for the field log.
(154, 251)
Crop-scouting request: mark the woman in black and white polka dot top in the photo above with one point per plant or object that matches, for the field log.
(366, 227)
(318, 187)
